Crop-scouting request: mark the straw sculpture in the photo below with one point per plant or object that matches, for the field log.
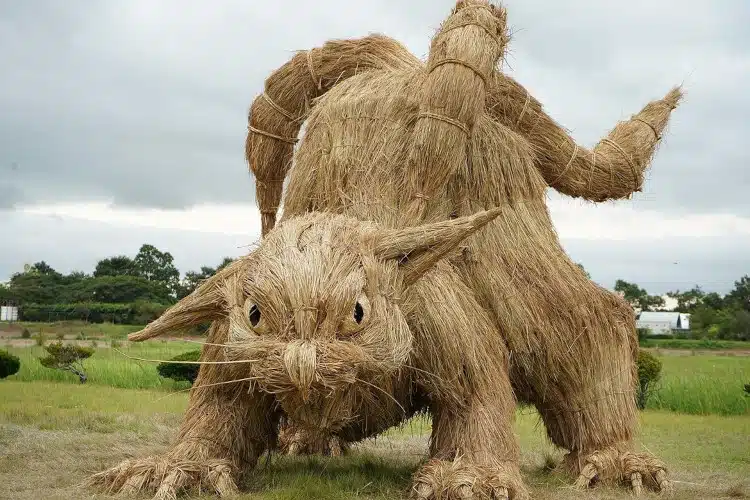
(415, 269)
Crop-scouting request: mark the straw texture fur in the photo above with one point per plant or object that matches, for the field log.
(415, 268)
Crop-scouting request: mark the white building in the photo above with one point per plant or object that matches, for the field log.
(8, 313)
(663, 322)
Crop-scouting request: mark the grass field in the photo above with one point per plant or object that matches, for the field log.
(54, 432)
(700, 384)
(108, 366)
(698, 344)
(70, 330)
(82, 330)
(53, 435)
(703, 384)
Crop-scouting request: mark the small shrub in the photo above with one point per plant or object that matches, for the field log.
(643, 333)
(40, 338)
(747, 389)
(181, 371)
(9, 364)
(115, 344)
(81, 336)
(67, 357)
(94, 344)
(26, 333)
(649, 372)
(60, 336)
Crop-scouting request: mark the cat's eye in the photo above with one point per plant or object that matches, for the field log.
(359, 313)
(253, 315)
(358, 316)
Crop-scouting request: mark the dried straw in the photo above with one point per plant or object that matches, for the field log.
(276, 116)
(400, 166)
(613, 169)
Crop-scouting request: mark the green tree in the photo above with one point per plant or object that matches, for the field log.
(119, 265)
(126, 290)
(689, 300)
(739, 326)
(649, 372)
(181, 371)
(67, 357)
(714, 301)
(638, 297)
(193, 279)
(740, 296)
(155, 265)
(701, 319)
(44, 268)
(33, 287)
(5, 292)
(9, 364)
(583, 269)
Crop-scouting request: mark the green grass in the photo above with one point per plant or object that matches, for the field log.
(73, 329)
(107, 366)
(94, 408)
(53, 435)
(703, 344)
(703, 385)
(700, 384)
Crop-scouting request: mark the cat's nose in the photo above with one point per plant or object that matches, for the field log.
(306, 320)
(300, 361)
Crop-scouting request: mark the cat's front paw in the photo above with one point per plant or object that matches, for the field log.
(164, 477)
(625, 467)
(294, 440)
(461, 479)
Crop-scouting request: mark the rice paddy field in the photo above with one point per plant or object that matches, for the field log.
(54, 431)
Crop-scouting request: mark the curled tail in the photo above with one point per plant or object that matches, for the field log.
(613, 169)
(461, 63)
(277, 115)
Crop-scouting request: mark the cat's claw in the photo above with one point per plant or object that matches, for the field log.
(637, 470)
(165, 477)
(462, 480)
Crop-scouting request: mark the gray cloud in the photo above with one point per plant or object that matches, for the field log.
(58, 241)
(662, 265)
(146, 103)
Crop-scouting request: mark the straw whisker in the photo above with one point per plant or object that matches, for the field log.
(169, 361)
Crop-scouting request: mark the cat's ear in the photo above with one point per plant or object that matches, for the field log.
(419, 248)
(207, 303)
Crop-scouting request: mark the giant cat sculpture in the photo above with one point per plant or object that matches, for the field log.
(377, 295)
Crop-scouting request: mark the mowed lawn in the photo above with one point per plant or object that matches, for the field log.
(54, 432)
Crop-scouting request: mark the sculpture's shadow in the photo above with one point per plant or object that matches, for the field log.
(354, 475)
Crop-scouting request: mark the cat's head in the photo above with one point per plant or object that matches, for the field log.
(316, 310)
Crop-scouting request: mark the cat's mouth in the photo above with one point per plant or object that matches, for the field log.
(307, 369)
(320, 413)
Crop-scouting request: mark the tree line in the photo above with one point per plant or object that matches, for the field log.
(137, 289)
(712, 315)
(120, 289)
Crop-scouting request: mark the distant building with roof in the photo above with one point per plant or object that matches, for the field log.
(663, 322)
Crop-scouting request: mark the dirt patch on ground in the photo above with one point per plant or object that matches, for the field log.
(10, 330)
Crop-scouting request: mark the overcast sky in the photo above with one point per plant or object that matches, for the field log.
(124, 122)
